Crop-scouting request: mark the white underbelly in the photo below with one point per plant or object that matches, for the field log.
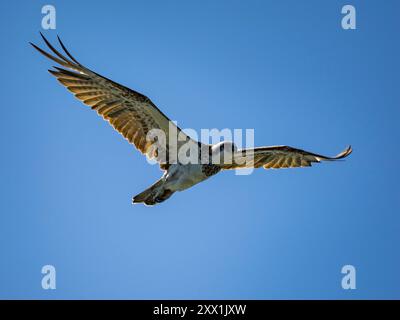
(182, 177)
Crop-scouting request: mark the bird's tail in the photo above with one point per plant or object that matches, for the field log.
(153, 195)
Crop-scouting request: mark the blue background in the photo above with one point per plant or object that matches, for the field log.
(286, 69)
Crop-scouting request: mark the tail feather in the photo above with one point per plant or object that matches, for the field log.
(153, 195)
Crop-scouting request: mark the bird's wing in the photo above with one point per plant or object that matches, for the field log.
(277, 157)
(129, 112)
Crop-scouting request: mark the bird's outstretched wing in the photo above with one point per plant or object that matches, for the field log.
(129, 112)
(277, 157)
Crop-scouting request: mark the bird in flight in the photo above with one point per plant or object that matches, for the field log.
(135, 116)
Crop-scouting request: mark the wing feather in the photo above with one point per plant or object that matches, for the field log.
(277, 157)
(132, 114)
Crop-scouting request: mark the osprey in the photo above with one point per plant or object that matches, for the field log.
(134, 116)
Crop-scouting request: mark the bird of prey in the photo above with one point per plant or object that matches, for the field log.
(134, 116)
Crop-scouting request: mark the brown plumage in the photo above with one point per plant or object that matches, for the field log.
(129, 112)
(135, 116)
(277, 157)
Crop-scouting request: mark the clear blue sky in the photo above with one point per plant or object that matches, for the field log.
(286, 69)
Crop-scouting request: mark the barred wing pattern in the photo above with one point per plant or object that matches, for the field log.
(276, 157)
(129, 112)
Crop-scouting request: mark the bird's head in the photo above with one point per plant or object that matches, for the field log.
(223, 152)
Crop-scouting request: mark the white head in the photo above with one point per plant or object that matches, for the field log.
(222, 152)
